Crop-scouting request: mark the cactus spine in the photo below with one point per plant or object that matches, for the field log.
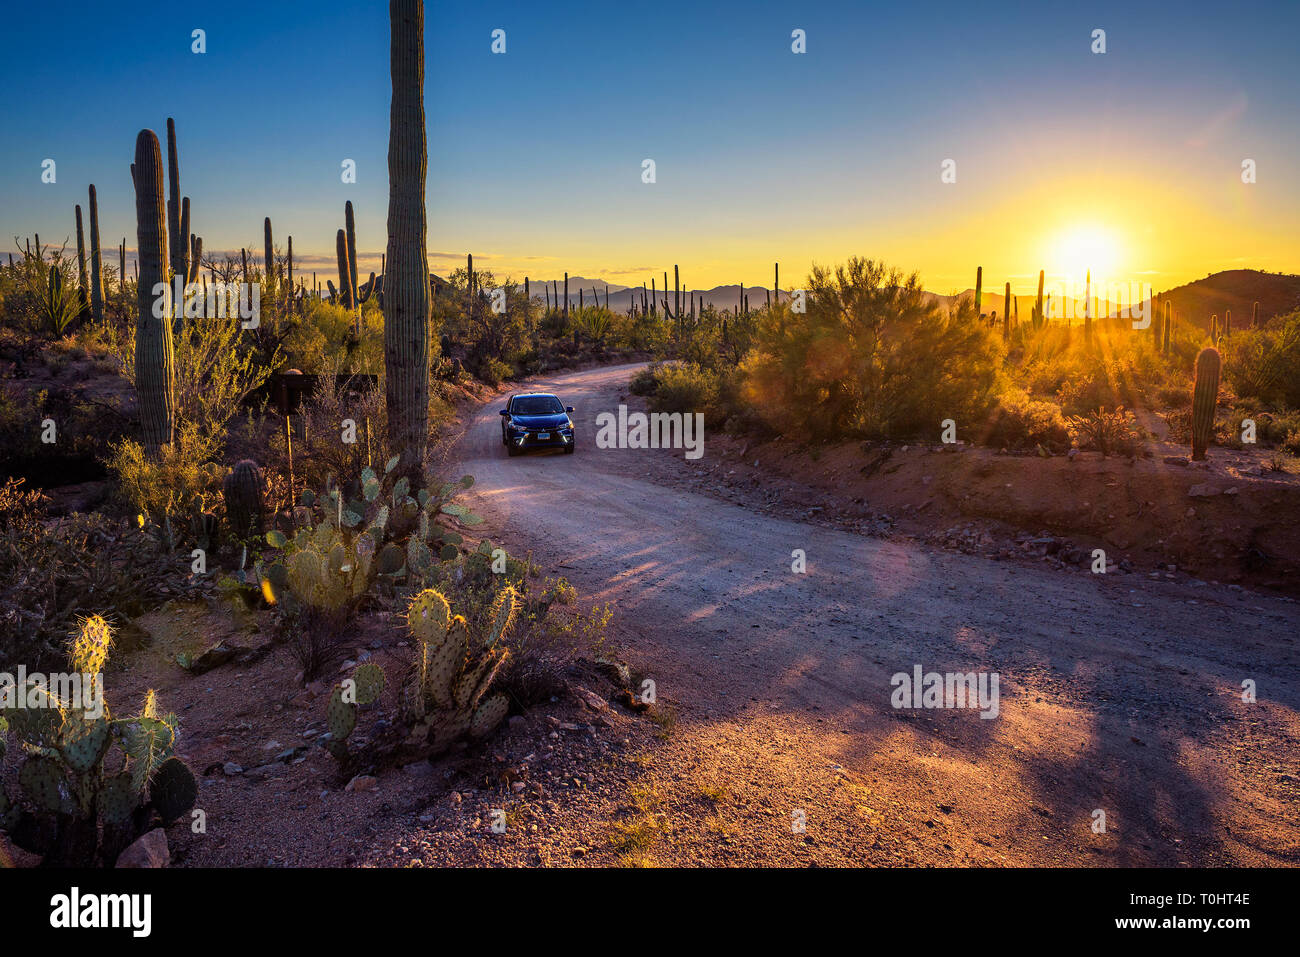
(154, 357)
(406, 287)
(1205, 397)
(96, 276)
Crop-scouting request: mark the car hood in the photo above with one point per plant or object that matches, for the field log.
(551, 420)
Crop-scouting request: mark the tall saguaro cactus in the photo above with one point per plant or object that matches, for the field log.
(1205, 397)
(406, 281)
(96, 275)
(1039, 320)
(979, 289)
(83, 293)
(178, 240)
(1006, 313)
(268, 254)
(154, 359)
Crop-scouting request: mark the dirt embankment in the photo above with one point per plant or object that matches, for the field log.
(1229, 519)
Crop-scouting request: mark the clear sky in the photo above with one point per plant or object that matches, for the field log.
(1127, 162)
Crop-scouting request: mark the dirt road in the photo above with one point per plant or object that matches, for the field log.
(1117, 694)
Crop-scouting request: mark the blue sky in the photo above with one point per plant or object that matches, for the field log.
(761, 154)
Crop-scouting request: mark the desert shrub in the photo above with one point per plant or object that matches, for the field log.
(1107, 431)
(1264, 364)
(493, 371)
(52, 573)
(83, 432)
(644, 382)
(872, 355)
(214, 370)
(1019, 422)
(684, 387)
(319, 453)
(170, 488)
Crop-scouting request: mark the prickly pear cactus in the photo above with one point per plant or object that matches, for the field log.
(173, 789)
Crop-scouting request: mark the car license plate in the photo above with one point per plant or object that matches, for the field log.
(543, 435)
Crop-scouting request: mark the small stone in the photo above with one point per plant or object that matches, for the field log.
(231, 768)
(150, 850)
(363, 782)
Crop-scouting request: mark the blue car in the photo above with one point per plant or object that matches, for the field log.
(536, 420)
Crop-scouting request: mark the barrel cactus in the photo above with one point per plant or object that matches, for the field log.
(406, 280)
(154, 356)
(242, 491)
(1205, 398)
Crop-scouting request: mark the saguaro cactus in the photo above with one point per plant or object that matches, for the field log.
(1254, 315)
(83, 294)
(1214, 329)
(979, 288)
(350, 223)
(96, 275)
(1039, 320)
(1227, 322)
(154, 358)
(268, 254)
(1205, 397)
(344, 293)
(1169, 324)
(406, 283)
(1006, 313)
(178, 233)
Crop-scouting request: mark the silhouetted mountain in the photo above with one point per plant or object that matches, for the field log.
(1235, 289)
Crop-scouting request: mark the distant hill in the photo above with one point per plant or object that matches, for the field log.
(1235, 289)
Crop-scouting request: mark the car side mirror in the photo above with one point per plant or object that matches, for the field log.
(568, 408)
(503, 412)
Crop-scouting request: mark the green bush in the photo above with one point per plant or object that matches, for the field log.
(872, 356)
(1019, 422)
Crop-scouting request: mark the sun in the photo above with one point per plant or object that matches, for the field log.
(1087, 248)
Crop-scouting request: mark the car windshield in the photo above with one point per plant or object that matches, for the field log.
(535, 405)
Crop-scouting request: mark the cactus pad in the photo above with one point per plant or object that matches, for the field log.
(370, 683)
(341, 716)
(488, 715)
(173, 790)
